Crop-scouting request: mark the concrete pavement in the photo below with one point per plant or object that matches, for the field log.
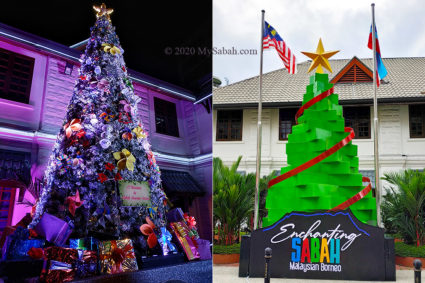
(229, 274)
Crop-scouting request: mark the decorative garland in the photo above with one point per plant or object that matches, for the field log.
(324, 155)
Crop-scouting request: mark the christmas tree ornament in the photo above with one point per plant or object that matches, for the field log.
(320, 58)
(148, 230)
(74, 202)
(165, 242)
(103, 11)
(73, 126)
(125, 159)
(96, 148)
(110, 48)
(139, 132)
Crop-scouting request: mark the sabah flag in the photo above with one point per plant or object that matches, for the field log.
(381, 71)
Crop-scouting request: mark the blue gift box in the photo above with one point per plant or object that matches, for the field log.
(18, 244)
(18, 249)
(87, 244)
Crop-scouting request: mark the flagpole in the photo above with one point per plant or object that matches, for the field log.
(376, 124)
(258, 167)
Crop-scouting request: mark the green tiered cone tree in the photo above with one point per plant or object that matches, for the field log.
(331, 181)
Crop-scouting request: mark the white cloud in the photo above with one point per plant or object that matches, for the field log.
(342, 25)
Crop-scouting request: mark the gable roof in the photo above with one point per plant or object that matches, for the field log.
(354, 71)
(405, 82)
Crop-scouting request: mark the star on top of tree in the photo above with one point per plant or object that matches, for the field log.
(320, 58)
(102, 10)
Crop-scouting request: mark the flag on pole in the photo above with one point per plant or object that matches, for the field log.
(272, 39)
(381, 71)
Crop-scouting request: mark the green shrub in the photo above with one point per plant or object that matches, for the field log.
(402, 249)
(233, 200)
(230, 249)
(403, 205)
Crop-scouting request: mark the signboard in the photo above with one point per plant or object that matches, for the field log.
(135, 193)
(322, 245)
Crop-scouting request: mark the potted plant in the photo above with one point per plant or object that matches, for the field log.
(403, 213)
(233, 203)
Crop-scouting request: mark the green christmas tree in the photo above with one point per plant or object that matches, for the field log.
(335, 179)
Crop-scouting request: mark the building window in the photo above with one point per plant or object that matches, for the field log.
(15, 76)
(417, 121)
(286, 121)
(7, 202)
(166, 117)
(229, 125)
(358, 118)
(15, 169)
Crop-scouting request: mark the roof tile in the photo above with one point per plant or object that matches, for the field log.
(405, 79)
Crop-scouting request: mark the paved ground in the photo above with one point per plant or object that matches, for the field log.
(229, 274)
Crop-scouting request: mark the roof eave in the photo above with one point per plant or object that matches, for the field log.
(365, 101)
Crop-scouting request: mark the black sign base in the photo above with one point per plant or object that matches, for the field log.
(320, 245)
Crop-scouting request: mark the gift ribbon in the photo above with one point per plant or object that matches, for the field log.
(118, 255)
(191, 222)
(324, 155)
(86, 263)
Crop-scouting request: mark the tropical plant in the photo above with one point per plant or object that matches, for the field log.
(232, 200)
(403, 205)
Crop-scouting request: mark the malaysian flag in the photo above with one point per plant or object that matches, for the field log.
(381, 71)
(272, 39)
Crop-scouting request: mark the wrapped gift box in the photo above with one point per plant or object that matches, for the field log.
(204, 249)
(66, 264)
(19, 243)
(117, 256)
(54, 229)
(19, 249)
(175, 215)
(182, 234)
(87, 244)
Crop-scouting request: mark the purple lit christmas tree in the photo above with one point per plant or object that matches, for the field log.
(102, 149)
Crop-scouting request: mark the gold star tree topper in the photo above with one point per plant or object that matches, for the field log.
(320, 58)
(102, 10)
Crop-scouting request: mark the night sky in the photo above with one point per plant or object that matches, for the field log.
(148, 30)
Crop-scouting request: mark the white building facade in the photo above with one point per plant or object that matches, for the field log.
(401, 115)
